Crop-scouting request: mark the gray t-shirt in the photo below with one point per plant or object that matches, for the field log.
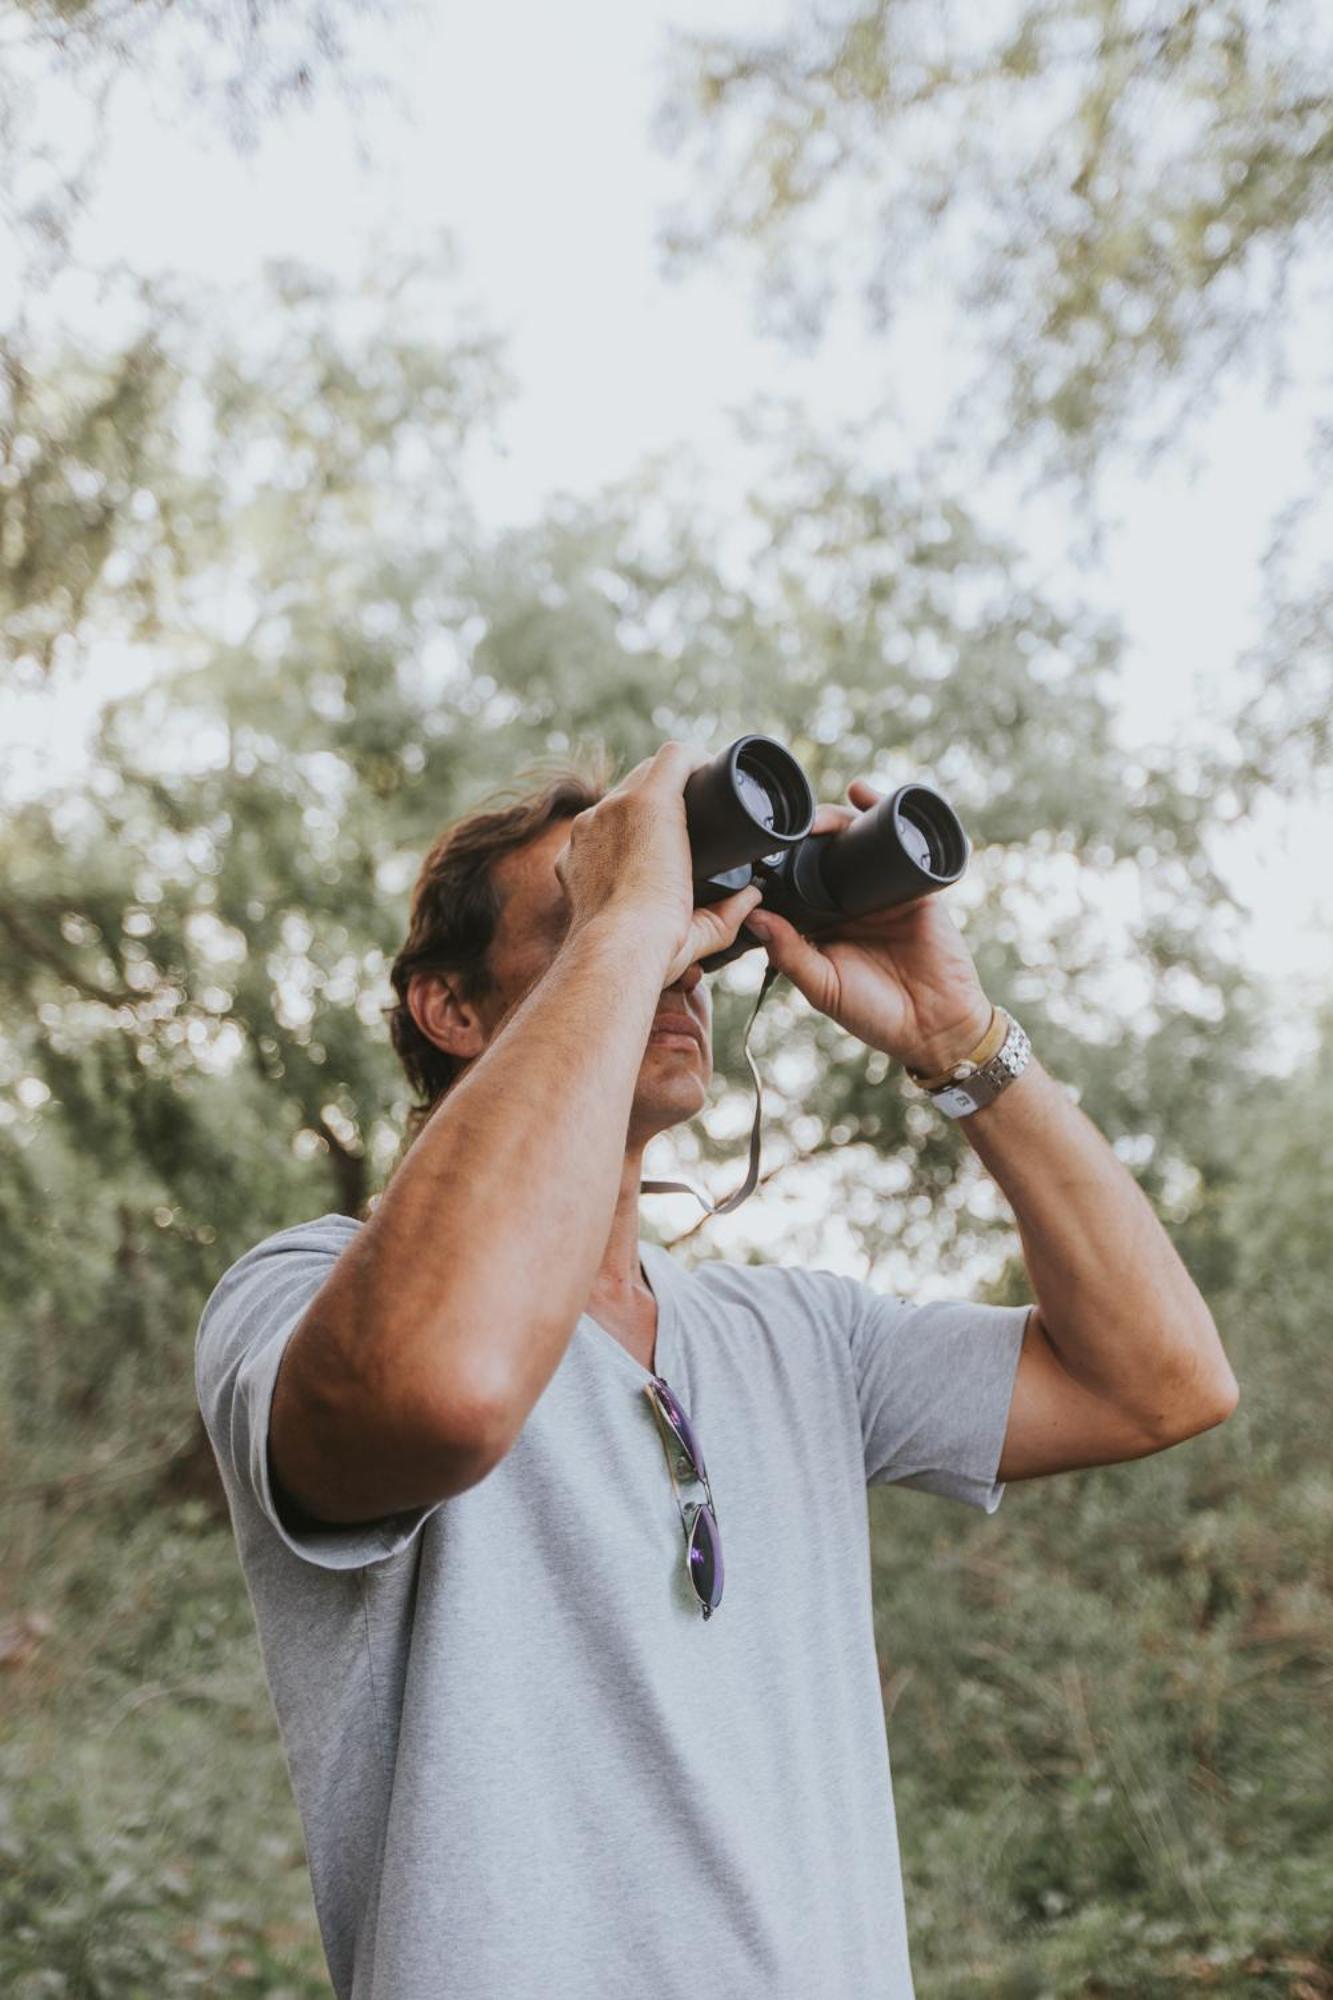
(527, 1767)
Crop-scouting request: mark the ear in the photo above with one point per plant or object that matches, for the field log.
(453, 1024)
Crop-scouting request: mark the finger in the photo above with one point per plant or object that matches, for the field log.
(714, 925)
(673, 764)
(862, 793)
(832, 819)
(807, 968)
(665, 757)
(633, 777)
(727, 916)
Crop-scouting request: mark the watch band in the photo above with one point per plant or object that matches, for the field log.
(989, 1045)
(980, 1077)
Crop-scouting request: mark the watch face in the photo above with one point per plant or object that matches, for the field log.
(972, 1085)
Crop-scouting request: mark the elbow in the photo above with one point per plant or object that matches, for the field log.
(1205, 1403)
(481, 1435)
(1214, 1410)
(347, 1446)
(1226, 1397)
(1219, 1398)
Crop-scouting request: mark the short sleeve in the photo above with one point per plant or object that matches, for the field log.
(246, 1323)
(935, 1382)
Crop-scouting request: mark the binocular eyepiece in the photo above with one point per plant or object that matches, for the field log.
(749, 812)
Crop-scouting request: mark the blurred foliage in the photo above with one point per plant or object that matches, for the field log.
(1115, 210)
(1111, 1720)
(271, 50)
(1125, 196)
(1113, 1779)
(252, 443)
(194, 1056)
(228, 66)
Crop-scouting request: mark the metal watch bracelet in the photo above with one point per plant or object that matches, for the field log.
(970, 1085)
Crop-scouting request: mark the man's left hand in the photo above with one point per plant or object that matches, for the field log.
(900, 980)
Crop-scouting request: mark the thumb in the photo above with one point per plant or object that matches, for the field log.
(713, 926)
(806, 967)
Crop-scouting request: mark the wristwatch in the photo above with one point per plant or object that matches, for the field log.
(1002, 1054)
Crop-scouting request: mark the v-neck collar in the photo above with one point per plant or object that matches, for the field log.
(660, 1274)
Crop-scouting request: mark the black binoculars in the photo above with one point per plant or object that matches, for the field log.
(749, 813)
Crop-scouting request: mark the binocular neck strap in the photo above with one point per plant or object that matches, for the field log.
(748, 1185)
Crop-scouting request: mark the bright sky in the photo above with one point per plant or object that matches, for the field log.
(525, 131)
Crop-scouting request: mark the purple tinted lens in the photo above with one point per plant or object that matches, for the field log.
(680, 1423)
(706, 1559)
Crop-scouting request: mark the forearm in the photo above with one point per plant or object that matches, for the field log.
(479, 1257)
(1116, 1302)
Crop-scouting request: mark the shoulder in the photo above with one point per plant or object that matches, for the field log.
(286, 1263)
(809, 1293)
(322, 1234)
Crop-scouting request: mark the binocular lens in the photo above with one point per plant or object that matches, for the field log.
(757, 798)
(915, 840)
(930, 834)
(765, 785)
(750, 810)
(753, 798)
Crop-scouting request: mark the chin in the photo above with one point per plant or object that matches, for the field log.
(670, 1103)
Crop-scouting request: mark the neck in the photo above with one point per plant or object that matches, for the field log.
(618, 1273)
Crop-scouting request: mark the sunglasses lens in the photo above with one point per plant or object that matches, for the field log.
(680, 1423)
(706, 1559)
(703, 1551)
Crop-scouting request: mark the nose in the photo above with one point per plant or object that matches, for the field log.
(689, 979)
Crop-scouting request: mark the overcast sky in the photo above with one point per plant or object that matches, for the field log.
(525, 131)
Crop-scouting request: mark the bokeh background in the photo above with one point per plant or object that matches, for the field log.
(389, 395)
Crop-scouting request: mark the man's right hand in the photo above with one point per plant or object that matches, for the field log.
(629, 857)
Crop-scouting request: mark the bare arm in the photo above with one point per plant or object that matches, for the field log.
(1121, 1355)
(478, 1259)
(418, 1361)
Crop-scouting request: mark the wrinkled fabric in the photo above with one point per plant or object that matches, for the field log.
(526, 1766)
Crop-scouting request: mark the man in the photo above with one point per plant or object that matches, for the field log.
(537, 1750)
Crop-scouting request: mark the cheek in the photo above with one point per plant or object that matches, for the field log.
(523, 961)
(515, 976)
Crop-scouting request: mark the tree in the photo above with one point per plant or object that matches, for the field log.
(200, 935)
(234, 66)
(264, 497)
(75, 442)
(1121, 210)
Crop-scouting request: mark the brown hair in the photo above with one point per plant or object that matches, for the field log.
(455, 906)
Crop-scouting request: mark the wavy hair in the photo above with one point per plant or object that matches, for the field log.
(455, 906)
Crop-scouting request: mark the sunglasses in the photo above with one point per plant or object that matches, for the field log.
(703, 1547)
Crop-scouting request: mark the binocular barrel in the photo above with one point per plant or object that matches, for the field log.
(748, 814)
(753, 799)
